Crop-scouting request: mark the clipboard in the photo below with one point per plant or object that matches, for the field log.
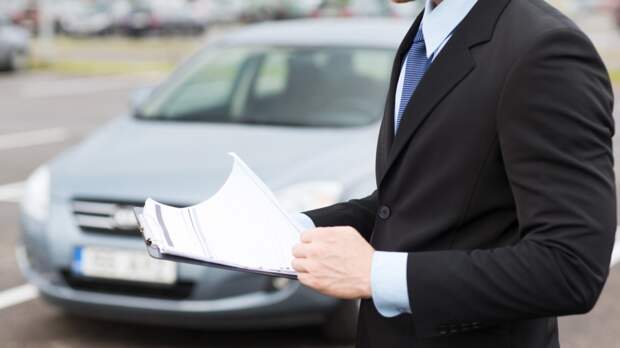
(154, 250)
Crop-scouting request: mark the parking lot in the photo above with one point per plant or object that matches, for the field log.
(44, 113)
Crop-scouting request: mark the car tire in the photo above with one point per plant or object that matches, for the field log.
(18, 60)
(341, 325)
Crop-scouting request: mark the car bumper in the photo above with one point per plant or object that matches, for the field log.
(291, 306)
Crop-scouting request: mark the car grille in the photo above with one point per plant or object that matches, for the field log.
(106, 217)
(179, 291)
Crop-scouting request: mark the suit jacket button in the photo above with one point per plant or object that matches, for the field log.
(385, 212)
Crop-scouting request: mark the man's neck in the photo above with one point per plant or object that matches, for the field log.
(437, 2)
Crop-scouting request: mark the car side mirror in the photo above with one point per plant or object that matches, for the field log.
(139, 96)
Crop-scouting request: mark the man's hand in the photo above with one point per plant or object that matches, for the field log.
(335, 261)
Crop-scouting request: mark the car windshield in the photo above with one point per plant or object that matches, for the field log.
(313, 87)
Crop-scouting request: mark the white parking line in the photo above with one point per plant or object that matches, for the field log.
(33, 138)
(11, 193)
(18, 295)
(83, 86)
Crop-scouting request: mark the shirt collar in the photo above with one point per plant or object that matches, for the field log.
(439, 21)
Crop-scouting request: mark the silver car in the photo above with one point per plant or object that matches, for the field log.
(14, 46)
(300, 101)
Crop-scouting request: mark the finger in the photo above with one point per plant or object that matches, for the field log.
(315, 234)
(307, 280)
(300, 265)
(301, 251)
(307, 236)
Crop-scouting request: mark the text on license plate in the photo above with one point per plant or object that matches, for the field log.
(120, 264)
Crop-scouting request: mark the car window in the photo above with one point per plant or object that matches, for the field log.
(205, 87)
(272, 77)
(276, 86)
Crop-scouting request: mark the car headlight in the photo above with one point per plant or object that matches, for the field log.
(36, 199)
(309, 195)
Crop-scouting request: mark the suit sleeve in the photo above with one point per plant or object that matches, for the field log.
(358, 213)
(555, 130)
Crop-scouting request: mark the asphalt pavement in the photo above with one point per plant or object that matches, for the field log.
(42, 115)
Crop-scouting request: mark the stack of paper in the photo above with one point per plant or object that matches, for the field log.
(241, 227)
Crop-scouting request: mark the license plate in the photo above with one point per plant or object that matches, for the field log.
(119, 264)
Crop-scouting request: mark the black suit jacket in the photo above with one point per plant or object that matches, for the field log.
(499, 184)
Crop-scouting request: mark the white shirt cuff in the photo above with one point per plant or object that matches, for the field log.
(389, 283)
(304, 221)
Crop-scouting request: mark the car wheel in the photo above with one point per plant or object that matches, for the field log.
(341, 325)
(18, 60)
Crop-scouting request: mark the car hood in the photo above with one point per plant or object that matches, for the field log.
(184, 163)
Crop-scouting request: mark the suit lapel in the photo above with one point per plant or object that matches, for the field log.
(452, 65)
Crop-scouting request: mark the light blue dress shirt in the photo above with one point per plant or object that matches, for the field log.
(389, 269)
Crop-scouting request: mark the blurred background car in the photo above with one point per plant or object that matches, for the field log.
(14, 45)
(135, 18)
(277, 94)
(220, 11)
(354, 8)
(85, 20)
(26, 14)
(296, 9)
(164, 17)
(139, 21)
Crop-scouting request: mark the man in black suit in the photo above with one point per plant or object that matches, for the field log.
(495, 206)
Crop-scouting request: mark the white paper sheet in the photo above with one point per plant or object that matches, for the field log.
(242, 225)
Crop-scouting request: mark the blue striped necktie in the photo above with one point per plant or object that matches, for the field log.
(417, 64)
